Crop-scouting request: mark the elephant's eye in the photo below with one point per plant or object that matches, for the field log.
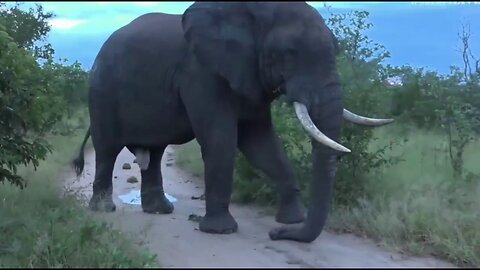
(274, 56)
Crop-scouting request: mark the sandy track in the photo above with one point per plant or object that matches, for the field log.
(178, 242)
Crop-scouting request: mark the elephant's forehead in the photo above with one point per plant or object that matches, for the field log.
(236, 33)
(300, 34)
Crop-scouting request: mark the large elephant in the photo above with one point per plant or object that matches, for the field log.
(211, 74)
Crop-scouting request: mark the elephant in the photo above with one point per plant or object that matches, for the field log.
(211, 74)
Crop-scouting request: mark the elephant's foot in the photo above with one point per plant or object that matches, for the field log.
(293, 234)
(102, 203)
(219, 224)
(291, 212)
(157, 204)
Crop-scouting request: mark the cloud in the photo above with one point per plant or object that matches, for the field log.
(142, 4)
(106, 3)
(145, 4)
(443, 3)
(65, 24)
(344, 5)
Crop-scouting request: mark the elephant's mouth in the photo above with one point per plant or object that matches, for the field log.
(278, 91)
(306, 121)
(304, 118)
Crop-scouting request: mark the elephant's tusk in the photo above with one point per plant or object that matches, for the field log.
(307, 123)
(143, 158)
(365, 121)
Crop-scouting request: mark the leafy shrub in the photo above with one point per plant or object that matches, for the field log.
(33, 96)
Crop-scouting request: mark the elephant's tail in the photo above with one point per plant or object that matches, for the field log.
(79, 162)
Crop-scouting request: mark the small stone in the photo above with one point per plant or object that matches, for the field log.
(201, 197)
(132, 179)
(115, 177)
(194, 217)
(126, 166)
(293, 261)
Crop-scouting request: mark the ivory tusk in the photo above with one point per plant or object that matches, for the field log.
(365, 121)
(307, 123)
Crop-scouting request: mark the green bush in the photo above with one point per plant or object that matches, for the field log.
(28, 28)
(71, 82)
(250, 184)
(40, 229)
(39, 106)
(33, 96)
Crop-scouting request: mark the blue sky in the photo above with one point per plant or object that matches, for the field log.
(71, 15)
(100, 16)
(416, 33)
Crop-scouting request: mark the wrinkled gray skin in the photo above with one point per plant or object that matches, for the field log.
(211, 74)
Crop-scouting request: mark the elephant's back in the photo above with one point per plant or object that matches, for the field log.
(157, 28)
(153, 27)
(149, 44)
(132, 82)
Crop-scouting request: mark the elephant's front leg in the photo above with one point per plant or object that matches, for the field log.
(259, 143)
(218, 152)
(212, 112)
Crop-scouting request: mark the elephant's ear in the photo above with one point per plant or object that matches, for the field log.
(221, 37)
(336, 44)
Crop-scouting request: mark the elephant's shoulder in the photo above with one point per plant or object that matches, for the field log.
(149, 28)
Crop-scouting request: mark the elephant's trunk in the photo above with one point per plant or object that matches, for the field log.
(325, 148)
(321, 191)
(328, 118)
(321, 113)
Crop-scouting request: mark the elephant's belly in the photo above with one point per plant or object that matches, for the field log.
(150, 123)
(157, 135)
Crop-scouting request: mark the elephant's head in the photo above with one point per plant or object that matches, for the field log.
(259, 47)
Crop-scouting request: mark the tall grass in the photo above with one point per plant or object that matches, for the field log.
(188, 157)
(417, 205)
(414, 206)
(40, 227)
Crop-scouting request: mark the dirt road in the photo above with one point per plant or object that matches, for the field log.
(179, 243)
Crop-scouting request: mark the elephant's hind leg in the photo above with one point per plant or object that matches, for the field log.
(101, 199)
(152, 194)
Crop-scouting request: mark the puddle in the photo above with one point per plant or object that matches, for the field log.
(133, 197)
